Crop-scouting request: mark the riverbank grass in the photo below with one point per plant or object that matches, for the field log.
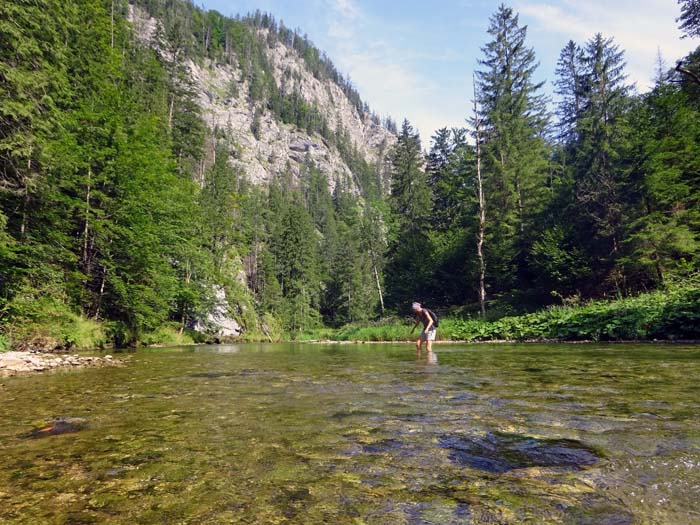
(168, 335)
(669, 314)
(46, 323)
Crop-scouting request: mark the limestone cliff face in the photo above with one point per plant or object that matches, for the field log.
(222, 92)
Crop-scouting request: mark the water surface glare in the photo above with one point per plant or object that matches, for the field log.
(358, 434)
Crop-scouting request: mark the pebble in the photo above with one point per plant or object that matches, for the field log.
(13, 362)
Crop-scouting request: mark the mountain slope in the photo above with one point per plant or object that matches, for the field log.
(266, 145)
(162, 165)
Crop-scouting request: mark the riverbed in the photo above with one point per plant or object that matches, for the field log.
(358, 434)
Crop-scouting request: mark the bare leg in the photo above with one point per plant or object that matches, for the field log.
(429, 345)
(418, 346)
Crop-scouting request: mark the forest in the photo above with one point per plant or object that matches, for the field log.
(121, 215)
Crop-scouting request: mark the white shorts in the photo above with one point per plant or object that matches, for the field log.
(429, 335)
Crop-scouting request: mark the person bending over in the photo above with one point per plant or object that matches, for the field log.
(429, 320)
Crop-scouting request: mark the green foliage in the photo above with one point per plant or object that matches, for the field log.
(34, 83)
(118, 208)
(38, 317)
(167, 335)
(410, 203)
(4, 343)
(690, 17)
(271, 327)
(667, 314)
(382, 330)
(514, 150)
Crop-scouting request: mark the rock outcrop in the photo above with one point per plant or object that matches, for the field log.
(222, 92)
(219, 324)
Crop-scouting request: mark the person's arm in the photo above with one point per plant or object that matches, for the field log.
(414, 326)
(430, 321)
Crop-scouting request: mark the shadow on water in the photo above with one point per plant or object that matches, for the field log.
(499, 452)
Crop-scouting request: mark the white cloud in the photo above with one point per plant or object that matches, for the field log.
(640, 28)
(384, 75)
(345, 8)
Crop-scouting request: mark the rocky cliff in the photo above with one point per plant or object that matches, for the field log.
(222, 92)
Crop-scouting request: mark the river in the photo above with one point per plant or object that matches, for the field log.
(358, 434)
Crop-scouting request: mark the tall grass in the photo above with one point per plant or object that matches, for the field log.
(167, 335)
(47, 323)
(4, 343)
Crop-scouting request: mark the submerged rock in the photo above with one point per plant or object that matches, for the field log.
(383, 446)
(60, 425)
(500, 452)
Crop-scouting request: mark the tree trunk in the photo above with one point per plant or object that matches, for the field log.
(519, 197)
(23, 224)
(86, 229)
(170, 112)
(482, 211)
(102, 292)
(379, 286)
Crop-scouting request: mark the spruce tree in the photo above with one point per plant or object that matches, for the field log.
(662, 233)
(514, 149)
(410, 202)
(602, 132)
(690, 17)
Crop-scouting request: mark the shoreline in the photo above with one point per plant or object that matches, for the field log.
(509, 341)
(15, 363)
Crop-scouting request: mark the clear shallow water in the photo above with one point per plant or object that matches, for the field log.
(359, 434)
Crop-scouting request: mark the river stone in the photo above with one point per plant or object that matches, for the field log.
(382, 447)
(594, 512)
(500, 452)
(60, 425)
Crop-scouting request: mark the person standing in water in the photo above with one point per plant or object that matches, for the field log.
(429, 320)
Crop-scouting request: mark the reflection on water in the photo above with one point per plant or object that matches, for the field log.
(358, 434)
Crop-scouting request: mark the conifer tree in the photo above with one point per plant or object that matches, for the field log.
(690, 17)
(514, 149)
(662, 234)
(410, 203)
(602, 132)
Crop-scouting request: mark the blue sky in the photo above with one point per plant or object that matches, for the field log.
(414, 59)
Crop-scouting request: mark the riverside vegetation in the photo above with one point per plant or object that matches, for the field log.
(670, 314)
(122, 211)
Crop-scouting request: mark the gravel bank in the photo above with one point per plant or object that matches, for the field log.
(12, 363)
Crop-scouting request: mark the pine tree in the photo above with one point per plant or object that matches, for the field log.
(410, 203)
(569, 88)
(662, 234)
(690, 17)
(603, 134)
(446, 177)
(34, 84)
(514, 149)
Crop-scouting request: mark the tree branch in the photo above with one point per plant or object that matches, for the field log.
(693, 76)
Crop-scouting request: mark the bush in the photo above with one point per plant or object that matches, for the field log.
(4, 343)
(45, 321)
(166, 335)
(671, 314)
